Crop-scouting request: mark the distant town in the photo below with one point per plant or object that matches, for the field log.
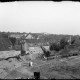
(33, 39)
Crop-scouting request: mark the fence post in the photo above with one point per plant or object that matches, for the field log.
(37, 75)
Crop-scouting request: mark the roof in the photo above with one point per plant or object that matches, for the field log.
(29, 36)
(16, 35)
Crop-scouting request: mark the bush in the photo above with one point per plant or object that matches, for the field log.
(54, 46)
(47, 54)
(65, 53)
(69, 53)
(63, 43)
(64, 48)
(4, 43)
(73, 41)
(58, 47)
(13, 40)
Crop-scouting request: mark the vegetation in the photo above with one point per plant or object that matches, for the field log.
(63, 43)
(46, 53)
(65, 48)
(54, 46)
(4, 42)
(13, 40)
(59, 46)
(57, 42)
(66, 69)
(61, 68)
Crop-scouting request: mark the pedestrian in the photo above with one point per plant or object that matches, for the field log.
(31, 64)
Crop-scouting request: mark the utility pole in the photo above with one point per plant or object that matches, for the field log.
(69, 40)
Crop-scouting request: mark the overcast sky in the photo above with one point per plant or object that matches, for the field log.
(40, 16)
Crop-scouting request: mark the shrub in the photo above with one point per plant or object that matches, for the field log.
(73, 41)
(65, 53)
(47, 54)
(13, 40)
(54, 46)
(63, 43)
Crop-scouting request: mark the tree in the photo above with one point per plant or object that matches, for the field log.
(54, 46)
(46, 53)
(73, 41)
(13, 40)
(63, 43)
(58, 46)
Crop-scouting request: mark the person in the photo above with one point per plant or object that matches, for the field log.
(30, 63)
(45, 58)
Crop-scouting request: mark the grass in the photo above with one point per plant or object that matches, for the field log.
(66, 69)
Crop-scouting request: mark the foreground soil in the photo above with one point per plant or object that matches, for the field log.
(64, 68)
(67, 68)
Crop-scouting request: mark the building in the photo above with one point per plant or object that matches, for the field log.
(29, 36)
(16, 35)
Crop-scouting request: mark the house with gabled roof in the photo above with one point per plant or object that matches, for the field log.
(29, 36)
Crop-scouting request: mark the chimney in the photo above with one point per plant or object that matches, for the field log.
(24, 47)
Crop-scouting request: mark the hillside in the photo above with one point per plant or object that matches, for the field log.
(4, 43)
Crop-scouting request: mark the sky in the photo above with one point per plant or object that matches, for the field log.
(40, 16)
